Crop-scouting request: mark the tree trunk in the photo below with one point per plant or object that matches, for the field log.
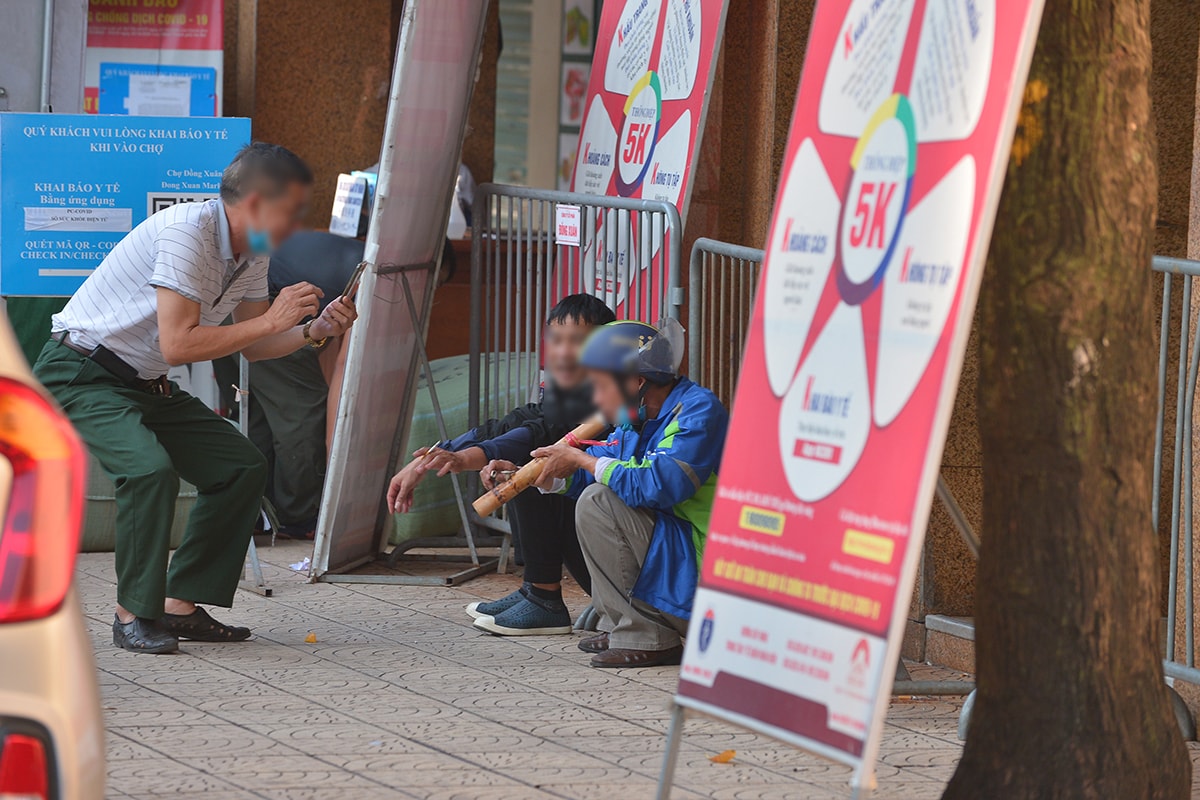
(1071, 699)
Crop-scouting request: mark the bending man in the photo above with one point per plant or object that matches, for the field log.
(644, 496)
(156, 300)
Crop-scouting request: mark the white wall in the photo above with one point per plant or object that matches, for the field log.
(21, 24)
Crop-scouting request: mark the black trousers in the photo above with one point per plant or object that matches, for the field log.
(544, 530)
(287, 425)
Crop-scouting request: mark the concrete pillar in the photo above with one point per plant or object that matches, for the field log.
(315, 78)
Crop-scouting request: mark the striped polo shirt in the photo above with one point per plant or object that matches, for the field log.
(185, 248)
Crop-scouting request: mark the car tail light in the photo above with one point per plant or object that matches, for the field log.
(24, 768)
(45, 504)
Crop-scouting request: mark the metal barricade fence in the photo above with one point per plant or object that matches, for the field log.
(627, 253)
(722, 279)
(1178, 663)
(624, 251)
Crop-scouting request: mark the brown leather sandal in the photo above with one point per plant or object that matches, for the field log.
(594, 644)
(619, 658)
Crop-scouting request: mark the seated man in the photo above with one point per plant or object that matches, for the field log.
(645, 495)
(543, 526)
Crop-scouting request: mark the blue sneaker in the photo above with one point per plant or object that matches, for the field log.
(490, 608)
(529, 617)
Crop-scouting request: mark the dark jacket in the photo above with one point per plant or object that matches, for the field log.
(528, 427)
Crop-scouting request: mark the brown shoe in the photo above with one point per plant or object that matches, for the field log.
(619, 658)
(594, 644)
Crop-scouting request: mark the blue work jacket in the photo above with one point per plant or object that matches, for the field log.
(670, 466)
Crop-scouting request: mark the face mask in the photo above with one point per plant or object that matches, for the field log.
(259, 241)
(627, 421)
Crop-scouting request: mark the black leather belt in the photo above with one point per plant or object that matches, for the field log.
(115, 365)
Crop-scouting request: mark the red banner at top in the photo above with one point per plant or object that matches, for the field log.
(156, 24)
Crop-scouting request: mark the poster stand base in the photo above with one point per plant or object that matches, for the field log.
(469, 520)
(481, 567)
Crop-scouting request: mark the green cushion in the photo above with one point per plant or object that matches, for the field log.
(100, 513)
(30, 318)
(434, 512)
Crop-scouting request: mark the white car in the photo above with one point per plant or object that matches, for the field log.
(51, 725)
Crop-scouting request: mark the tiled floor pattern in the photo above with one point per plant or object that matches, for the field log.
(400, 698)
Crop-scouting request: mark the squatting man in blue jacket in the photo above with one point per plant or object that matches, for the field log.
(645, 495)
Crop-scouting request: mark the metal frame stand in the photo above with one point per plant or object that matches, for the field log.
(902, 686)
(667, 776)
(467, 515)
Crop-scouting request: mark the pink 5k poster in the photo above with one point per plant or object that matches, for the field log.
(643, 116)
(899, 140)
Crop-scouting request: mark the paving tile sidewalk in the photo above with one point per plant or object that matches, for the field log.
(400, 698)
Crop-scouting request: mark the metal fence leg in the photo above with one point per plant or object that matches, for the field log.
(964, 716)
(667, 776)
(259, 586)
(588, 619)
(1183, 715)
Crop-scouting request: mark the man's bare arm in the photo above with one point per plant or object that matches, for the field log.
(183, 340)
(260, 330)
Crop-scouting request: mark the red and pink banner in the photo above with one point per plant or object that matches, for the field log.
(896, 156)
(643, 116)
(155, 57)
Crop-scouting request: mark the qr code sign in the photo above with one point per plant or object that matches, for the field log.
(157, 202)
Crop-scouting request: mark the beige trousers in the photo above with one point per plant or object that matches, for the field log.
(615, 538)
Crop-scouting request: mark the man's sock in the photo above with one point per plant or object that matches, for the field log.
(551, 597)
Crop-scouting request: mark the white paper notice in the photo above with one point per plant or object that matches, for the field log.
(159, 96)
(97, 220)
(566, 225)
(347, 205)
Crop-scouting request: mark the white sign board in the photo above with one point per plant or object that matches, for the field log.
(347, 205)
(566, 225)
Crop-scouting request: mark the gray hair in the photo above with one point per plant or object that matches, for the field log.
(265, 168)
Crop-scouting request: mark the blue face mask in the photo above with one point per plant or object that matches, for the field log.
(259, 241)
(626, 421)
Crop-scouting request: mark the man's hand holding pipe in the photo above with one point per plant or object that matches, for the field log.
(561, 461)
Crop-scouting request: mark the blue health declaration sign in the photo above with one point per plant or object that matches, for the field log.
(72, 186)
